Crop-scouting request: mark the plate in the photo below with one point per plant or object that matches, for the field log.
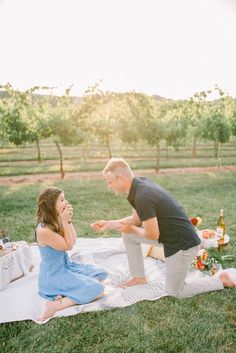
(208, 233)
(220, 242)
(226, 240)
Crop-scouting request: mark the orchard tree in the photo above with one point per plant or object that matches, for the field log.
(143, 119)
(98, 115)
(63, 125)
(217, 125)
(38, 121)
(135, 110)
(14, 117)
(175, 123)
(25, 117)
(194, 110)
(154, 129)
(3, 135)
(231, 113)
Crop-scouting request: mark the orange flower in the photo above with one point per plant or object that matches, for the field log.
(204, 255)
(200, 265)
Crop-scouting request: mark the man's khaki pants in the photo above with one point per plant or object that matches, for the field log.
(177, 267)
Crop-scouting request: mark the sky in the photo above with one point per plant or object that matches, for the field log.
(172, 48)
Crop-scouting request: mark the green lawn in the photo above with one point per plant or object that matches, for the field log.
(23, 161)
(76, 165)
(203, 324)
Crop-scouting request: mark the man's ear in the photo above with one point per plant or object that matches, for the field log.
(121, 178)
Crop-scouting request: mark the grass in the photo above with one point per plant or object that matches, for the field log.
(22, 160)
(76, 165)
(202, 324)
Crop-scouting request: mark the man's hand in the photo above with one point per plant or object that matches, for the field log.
(126, 227)
(100, 226)
(149, 229)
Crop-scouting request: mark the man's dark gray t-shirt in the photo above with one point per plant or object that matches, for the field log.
(151, 200)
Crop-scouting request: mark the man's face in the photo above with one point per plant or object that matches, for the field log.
(115, 183)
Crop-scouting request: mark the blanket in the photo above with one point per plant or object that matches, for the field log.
(20, 299)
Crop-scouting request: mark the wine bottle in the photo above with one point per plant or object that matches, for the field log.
(6, 240)
(221, 227)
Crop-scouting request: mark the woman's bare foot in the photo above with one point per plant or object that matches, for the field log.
(49, 310)
(99, 296)
(51, 307)
(58, 297)
(227, 280)
(134, 282)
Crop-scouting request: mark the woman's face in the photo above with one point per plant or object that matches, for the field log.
(61, 202)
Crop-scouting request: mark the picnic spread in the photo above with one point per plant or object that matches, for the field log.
(15, 263)
(108, 253)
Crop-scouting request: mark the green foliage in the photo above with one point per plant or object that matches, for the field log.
(175, 124)
(231, 112)
(195, 110)
(13, 115)
(216, 126)
(63, 125)
(136, 118)
(98, 116)
(23, 116)
(105, 117)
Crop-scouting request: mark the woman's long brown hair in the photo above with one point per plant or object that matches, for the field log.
(46, 211)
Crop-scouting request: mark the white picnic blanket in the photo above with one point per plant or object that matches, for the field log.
(20, 300)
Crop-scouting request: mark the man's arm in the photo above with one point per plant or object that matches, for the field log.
(103, 225)
(150, 229)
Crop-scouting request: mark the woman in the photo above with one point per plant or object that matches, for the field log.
(62, 282)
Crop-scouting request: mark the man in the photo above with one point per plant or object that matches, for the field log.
(156, 217)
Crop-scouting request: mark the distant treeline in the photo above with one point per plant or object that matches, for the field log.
(106, 117)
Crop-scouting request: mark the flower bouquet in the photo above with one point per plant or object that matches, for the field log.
(210, 261)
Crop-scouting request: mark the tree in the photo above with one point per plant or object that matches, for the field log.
(14, 115)
(3, 135)
(134, 114)
(24, 117)
(175, 123)
(63, 125)
(231, 112)
(98, 115)
(142, 122)
(38, 121)
(216, 124)
(194, 110)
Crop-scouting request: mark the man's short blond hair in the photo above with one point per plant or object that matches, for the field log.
(118, 167)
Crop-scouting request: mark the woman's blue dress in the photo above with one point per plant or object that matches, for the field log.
(60, 276)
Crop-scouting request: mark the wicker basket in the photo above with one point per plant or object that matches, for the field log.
(157, 252)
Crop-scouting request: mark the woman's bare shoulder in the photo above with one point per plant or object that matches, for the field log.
(42, 232)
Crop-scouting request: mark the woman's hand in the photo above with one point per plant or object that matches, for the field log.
(66, 213)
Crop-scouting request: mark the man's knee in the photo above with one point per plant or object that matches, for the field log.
(128, 237)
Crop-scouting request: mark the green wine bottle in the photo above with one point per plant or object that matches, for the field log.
(221, 227)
